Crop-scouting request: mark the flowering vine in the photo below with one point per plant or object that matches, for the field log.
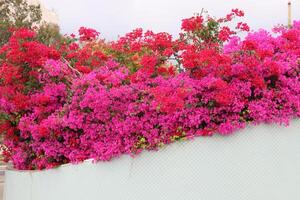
(87, 98)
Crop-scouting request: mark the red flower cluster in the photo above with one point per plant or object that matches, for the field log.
(225, 33)
(243, 26)
(168, 99)
(192, 24)
(87, 34)
(238, 12)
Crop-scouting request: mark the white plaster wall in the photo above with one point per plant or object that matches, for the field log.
(258, 163)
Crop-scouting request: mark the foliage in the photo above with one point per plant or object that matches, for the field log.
(48, 34)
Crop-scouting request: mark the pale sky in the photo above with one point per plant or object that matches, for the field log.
(116, 17)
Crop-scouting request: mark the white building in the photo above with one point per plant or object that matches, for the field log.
(48, 15)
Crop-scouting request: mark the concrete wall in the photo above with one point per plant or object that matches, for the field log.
(258, 163)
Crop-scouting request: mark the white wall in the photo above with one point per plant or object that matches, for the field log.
(259, 163)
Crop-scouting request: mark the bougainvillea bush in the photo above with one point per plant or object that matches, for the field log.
(84, 97)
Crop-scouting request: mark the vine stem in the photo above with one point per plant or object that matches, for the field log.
(70, 66)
